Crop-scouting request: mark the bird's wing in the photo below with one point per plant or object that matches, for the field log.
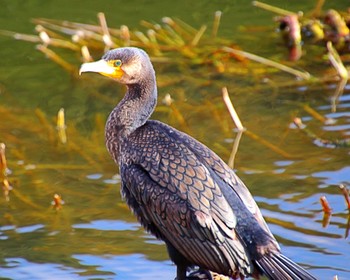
(174, 192)
(225, 173)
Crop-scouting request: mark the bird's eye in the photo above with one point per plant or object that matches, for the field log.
(118, 63)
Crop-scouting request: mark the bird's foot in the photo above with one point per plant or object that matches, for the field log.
(200, 274)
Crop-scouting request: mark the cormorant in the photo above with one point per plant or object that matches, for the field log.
(179, 189)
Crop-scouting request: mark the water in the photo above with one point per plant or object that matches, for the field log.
(94, 236)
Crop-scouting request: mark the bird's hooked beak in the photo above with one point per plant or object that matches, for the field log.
(102, 67)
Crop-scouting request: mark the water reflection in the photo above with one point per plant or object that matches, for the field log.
(336, 177)
(108, 225)
(106, 267)
(134, 266)
(21, 269)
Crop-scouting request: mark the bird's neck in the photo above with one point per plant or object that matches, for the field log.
(132, 112)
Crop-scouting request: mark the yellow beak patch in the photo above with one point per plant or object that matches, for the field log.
(105, 68)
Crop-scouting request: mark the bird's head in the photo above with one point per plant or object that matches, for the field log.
(126, 65)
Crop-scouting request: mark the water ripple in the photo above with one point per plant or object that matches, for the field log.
(117, 225)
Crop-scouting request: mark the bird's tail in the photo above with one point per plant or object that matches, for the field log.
(279, 267)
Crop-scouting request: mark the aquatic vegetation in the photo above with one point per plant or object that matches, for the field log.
(327, 209)
(6, 187)
(315, 27)
(57, 202)
(345, 192)
(163, 41)
(173, 41)
(61, 126)
(318, 140)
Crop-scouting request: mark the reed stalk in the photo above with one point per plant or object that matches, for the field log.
(299, 74)
(271, 8)
(216, 23)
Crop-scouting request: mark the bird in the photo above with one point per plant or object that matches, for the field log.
(181, 191)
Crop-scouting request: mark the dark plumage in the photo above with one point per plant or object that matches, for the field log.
(179, 189)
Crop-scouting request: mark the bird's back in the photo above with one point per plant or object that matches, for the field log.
(185, 194)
